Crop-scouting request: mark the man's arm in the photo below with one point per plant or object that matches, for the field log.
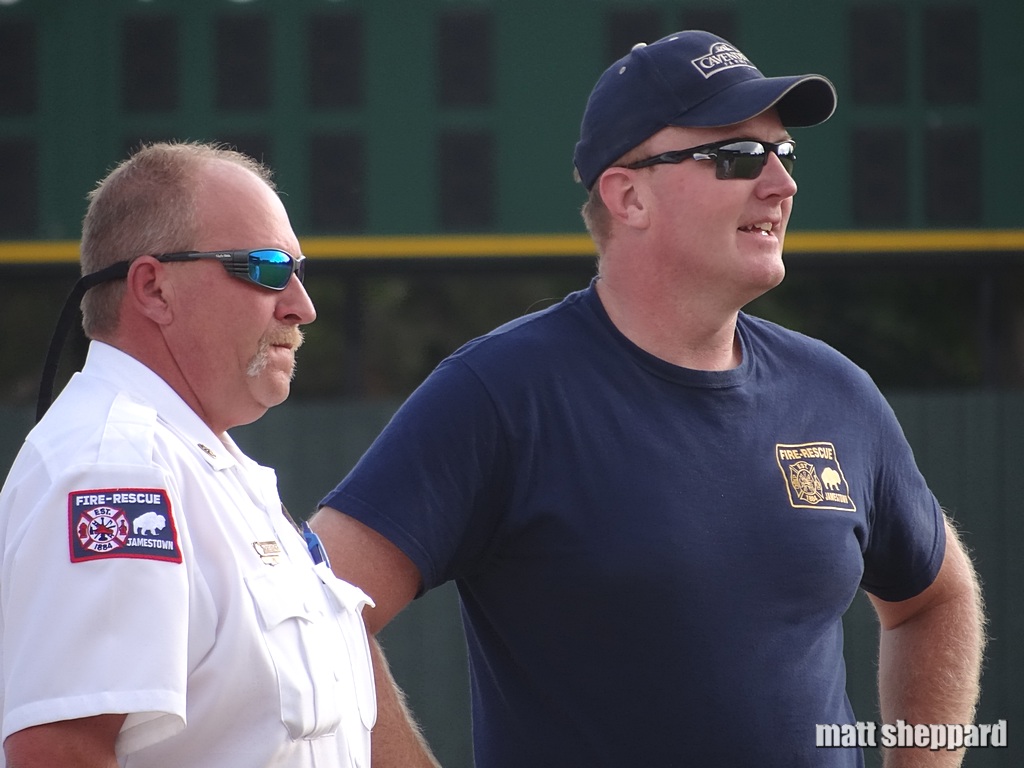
(930, 655)
(86, 742)
(363, 557)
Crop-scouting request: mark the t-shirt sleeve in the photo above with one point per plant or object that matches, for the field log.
(907, 538)
(430, 483)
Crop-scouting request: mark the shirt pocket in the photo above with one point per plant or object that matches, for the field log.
(304, 642)
(348, 602)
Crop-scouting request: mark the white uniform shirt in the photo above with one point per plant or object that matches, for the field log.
(147, 568)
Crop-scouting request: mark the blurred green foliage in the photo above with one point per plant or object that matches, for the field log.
(380, 331)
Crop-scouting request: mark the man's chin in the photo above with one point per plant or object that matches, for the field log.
(279, 384)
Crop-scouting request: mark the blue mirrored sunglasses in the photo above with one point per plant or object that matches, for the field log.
(267, 267)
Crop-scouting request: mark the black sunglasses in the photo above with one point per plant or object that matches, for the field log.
(734, 158)
(266, 267)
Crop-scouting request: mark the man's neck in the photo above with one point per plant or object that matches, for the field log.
(684, 331)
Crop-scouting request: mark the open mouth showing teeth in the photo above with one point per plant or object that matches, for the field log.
(765, 227)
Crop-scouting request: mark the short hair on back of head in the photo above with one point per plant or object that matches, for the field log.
(147, 205)
(596, 218)
(596, 215)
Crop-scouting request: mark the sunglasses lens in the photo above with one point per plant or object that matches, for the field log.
(740, 160)
(270, 268)
(746, 159)
(787, 156)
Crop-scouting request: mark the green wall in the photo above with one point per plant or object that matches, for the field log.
(930, 99)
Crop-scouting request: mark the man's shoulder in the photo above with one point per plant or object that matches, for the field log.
(82, 438)
(545, 328)
(800, 355)
(94, 423)
(786, 340)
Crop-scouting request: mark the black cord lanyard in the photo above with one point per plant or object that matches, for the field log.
(60, 333)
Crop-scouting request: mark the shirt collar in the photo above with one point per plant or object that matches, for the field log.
(132, 376)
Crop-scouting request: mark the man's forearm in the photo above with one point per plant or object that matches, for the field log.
(396, 740)
(930, 665)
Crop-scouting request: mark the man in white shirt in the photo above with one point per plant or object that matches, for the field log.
(159, 608)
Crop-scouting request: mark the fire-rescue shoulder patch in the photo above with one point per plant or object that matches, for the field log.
(122, 522)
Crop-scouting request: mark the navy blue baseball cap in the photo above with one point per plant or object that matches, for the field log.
(691, 79)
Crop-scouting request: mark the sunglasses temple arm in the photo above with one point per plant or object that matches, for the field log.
(236, 265)
(60, 332)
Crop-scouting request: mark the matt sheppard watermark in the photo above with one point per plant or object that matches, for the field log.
(902, 734)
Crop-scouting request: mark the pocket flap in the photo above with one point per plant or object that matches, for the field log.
(278, 594)
(348, 596)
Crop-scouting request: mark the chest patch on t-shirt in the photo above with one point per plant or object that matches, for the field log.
(122, 522)
(814, 479)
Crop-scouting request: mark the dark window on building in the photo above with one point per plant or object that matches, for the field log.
(334, 44)
(243, 62)
(149, 64)
(465, 59)
(132, 142)
(626, 28)
(953, 176)
(17, 68)
(254, 145)
(714, 20)
(952, 55)
(878, 173)
(19, 191)
(467, 179)
(878, 54)
(337, 183)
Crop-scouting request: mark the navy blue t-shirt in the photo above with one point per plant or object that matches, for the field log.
(653, 562)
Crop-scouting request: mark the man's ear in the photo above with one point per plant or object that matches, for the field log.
(149, 290)
(624, 197)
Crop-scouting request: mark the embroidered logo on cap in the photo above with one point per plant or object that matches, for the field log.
(720, 57)
(814, 479)
(122, 522)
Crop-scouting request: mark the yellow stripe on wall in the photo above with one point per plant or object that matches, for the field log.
(511, 246)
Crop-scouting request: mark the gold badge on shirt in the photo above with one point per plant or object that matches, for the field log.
(269, 551)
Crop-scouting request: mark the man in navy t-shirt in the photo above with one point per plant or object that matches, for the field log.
(657, 508)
